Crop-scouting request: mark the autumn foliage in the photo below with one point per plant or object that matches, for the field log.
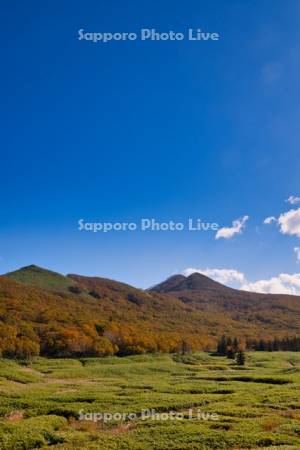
(99, 317)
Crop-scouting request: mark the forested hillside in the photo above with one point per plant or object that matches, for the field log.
(42, 312)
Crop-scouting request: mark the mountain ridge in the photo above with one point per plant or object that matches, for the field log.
(43, 312)
(193, 282)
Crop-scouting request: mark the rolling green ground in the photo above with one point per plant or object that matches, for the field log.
(257, 406)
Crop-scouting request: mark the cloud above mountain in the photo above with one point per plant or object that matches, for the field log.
(224, 276)
(293, 200)
(289, 222)
(282, 284)
(237, 227)
(297, 251)
(270, 220)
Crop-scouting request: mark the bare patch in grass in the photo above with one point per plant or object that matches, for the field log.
(14, 416)
(271, 424)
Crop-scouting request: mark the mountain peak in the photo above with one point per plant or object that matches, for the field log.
(194, 282)
(32, 267)
(33, 275)
(169, 284)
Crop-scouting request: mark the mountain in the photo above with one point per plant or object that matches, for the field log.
(203, 294)
(46, 279)
(194, 282)
(199, 289)
(44, 312)
(96, 287)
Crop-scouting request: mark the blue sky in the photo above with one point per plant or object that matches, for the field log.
(170, 130)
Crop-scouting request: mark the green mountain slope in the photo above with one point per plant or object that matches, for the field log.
(46, 279)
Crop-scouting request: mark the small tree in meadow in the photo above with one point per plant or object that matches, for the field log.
(230, 353)
(222, 346)
(241, 358)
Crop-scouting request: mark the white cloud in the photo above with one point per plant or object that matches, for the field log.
(282, 284)
(270, 220)
(224, 276)
(289, 222)
(293, 200)
(297, 251)
(237, 228)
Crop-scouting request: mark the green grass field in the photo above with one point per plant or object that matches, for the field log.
(256, 406)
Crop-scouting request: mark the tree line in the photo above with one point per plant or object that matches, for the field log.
(288, 344)
(96, 339)
(232, 348)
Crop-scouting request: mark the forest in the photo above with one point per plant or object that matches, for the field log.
(49, 314)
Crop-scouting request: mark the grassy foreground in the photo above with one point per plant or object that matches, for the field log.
(257, 406)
